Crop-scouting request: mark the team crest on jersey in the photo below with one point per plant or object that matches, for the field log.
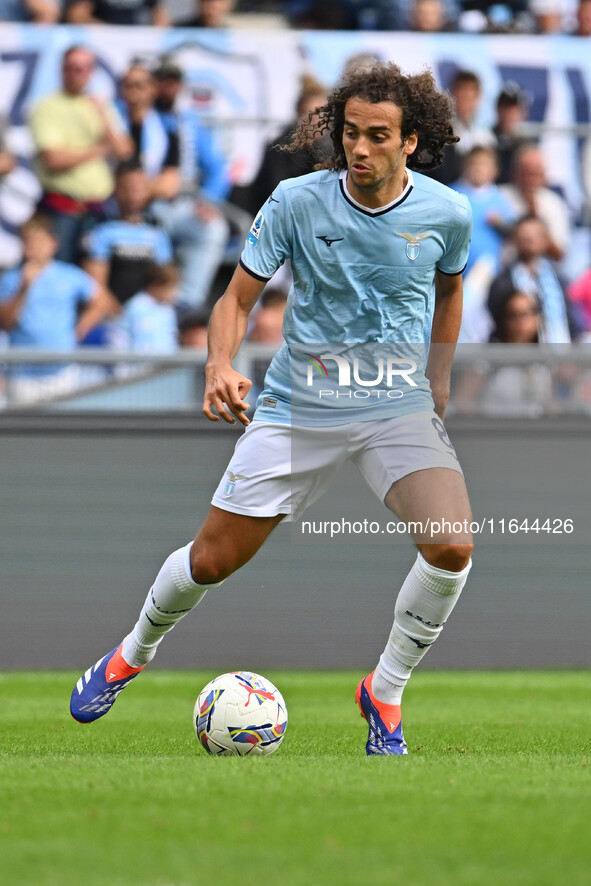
(231, 483)
(254, 233)
(413, 243)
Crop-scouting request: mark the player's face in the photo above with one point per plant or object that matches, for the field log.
(375, 152)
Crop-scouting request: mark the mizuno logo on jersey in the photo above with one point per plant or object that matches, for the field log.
(413, 244)
(328, 240)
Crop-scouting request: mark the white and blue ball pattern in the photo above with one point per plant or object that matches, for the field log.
(240, 713)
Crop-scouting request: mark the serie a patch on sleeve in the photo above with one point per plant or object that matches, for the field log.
(254, 233)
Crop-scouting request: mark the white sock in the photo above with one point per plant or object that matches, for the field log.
(424, 603)
(171, 597)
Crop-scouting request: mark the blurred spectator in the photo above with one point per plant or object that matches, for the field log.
(209, 14)
(40, 305)
(533, 273)
(120, 252)
(193, 329)
(148, 320)
(508, 390)
(494, 16)
(195, 219)
(324, 15)
(267, 321)
(39, 11)
(466, 92)
(278, 164)
(398, 14)
(266, 328)
(552, 16)
(75, 134)
(429, 16)
(493, 214)
(512, 109)
(517, 319)
(530, 196)
(155, 148)
(117, 12)
(583, 28)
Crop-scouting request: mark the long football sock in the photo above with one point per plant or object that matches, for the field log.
(171, 597)
(424, 604)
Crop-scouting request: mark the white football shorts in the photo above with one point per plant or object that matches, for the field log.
(281, 469)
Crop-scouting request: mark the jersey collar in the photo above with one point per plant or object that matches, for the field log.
(380, 209)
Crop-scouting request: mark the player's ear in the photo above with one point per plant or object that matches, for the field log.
(410, 143)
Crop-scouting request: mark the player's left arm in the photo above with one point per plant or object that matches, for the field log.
(447, 317)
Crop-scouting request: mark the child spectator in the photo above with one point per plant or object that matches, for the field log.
(148, 320)
(267, 321)
(493, 214)
(40, 304)
(120, 252)
(193, 327)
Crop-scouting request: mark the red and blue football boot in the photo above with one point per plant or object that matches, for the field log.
(97, 689)
(384, 720)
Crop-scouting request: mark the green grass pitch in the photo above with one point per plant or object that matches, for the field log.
(496, 788)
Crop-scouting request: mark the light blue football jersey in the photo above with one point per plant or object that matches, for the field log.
(359, 276)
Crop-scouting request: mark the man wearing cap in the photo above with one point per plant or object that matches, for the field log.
(194, 220)
(512, 108)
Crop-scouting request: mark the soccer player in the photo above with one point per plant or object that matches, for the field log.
(377, 252)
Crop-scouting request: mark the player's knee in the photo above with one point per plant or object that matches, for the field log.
(208, 566)
(452, 556)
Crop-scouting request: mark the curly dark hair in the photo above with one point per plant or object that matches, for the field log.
(425, 110)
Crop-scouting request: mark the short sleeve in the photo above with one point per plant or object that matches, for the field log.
(9, 284)
(455, 258)
(269, 241)
(163, 248)
(98, 245)
(46, 126)
(83, 283)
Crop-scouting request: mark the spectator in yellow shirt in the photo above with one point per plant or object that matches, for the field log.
(76, 134)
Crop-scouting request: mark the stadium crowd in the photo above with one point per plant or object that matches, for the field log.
(138, 218)
(490, 16)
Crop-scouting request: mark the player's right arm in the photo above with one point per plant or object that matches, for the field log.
(227, 328)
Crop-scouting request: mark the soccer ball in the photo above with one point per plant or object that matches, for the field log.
(240, 713)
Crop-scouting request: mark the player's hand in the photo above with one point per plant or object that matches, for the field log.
(440, 394)
(30, 272)
(226, 388)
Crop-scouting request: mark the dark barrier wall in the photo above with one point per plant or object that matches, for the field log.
(89, 512)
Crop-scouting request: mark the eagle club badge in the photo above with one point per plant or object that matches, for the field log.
(413, 243)
(231, 483)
